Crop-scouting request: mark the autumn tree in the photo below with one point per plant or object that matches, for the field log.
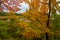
(39, 14)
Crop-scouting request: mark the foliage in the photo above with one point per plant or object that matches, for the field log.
(10, 5)
(32, 24)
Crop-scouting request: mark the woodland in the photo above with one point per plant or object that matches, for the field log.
(40, 22)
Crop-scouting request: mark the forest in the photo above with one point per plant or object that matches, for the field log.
(40, 22)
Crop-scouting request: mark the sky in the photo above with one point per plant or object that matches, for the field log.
(24, 6)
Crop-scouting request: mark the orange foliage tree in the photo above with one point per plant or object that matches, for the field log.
(39, 15)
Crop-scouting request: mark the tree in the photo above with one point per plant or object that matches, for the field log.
(11, 5)
(38, 12)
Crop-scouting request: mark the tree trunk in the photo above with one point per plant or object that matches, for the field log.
(46, 34)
